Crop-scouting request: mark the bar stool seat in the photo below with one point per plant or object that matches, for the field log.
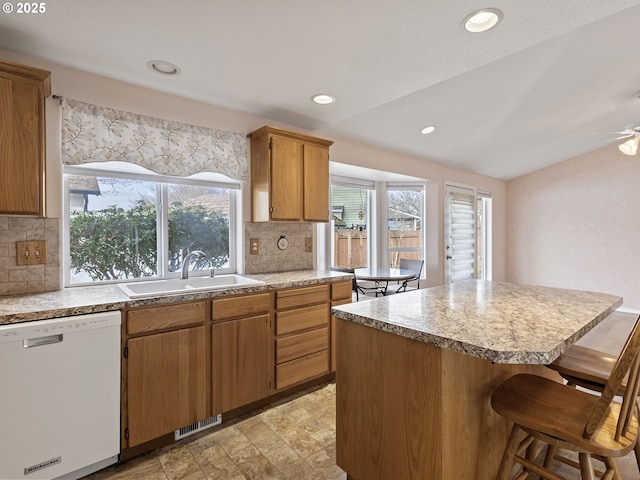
(586, 367)
(589, 369)
(548, 412)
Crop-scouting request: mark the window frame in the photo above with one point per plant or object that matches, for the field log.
(484, 270)
(397, 186)
(162, 206)
(378, 251)
(356, 183)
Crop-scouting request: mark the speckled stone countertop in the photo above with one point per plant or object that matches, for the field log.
(80, 300)
(497, 321)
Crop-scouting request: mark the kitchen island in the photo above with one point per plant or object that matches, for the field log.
(415, 373)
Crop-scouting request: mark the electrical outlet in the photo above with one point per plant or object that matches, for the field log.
(254, 246)
(308, 244)
(31, 253)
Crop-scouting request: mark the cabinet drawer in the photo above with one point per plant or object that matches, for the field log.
(240, 306)
(302, 369)
(301, 344)
(302, 319)
(297, 297)
(341, 291)
(153, 319)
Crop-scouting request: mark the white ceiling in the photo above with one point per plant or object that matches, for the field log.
(539, 88)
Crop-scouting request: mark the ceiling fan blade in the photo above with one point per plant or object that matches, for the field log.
(611, 140)
(626, 135)
(625, 132)
(622, 134)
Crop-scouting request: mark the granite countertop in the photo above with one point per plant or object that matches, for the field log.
(102, 298)
(497, 321)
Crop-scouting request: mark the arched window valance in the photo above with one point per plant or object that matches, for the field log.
(91, 133)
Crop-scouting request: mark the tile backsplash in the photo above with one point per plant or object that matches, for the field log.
(269, 257)
(23, 279)
(16, 280)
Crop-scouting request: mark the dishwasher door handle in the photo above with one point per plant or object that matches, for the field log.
(38, 342)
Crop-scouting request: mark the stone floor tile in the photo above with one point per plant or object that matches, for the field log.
(145, 467)
(289, 463)
(214, 462)
(303, 443)
(261, 436)
(325, 437)
(255, 466)
(232, 440)
(179, 463)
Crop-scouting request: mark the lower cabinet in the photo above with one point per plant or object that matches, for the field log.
(166, 374)
(241, 362)
(241, 339)
(302, 335)
(185, 362)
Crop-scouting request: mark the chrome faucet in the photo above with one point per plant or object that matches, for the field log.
(186, 257)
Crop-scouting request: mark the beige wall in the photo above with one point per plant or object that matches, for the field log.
(104, 91)
(577, 225)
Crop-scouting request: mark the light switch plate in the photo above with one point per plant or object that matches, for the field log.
(308, 244)
(254, 246)
(31, 253)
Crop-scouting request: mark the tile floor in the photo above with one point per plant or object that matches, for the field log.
(292, 440)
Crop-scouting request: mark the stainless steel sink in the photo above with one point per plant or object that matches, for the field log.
(178, 285)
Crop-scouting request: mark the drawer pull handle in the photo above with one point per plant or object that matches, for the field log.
(38, 342)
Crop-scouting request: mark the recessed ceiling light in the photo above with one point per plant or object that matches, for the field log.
(166, 68)
(427, 130)
(482, 20)
(323, 99)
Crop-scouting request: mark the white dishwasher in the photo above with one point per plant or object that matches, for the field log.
(59, 396)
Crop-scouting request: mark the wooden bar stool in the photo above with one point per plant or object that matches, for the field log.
(590, 369)
(548, 412)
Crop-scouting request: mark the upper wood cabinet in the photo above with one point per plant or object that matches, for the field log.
(22, 138)
(289, 176)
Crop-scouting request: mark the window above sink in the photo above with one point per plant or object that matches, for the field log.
(127, 225)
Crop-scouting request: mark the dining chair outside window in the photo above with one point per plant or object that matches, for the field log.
(544, 411)
(416, 267)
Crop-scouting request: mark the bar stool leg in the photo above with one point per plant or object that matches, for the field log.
(550, 456)
(586, 466)
(509, 452)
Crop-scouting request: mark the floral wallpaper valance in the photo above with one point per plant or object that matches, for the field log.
(91, 133)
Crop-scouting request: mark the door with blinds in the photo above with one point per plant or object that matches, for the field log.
(460, 233)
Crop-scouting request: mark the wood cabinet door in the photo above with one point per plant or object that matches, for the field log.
(21, 137)
(286, 179)
(316, 183)
(242, 362)
(334, 336)
(166, 383)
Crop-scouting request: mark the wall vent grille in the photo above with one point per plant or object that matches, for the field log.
(198, 426)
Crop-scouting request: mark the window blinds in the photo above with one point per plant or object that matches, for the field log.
(461, 232)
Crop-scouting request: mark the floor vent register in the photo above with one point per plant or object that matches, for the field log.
(198, 426)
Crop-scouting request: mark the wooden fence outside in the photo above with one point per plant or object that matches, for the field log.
(350, 247)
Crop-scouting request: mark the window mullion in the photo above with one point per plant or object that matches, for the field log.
(163, 228)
